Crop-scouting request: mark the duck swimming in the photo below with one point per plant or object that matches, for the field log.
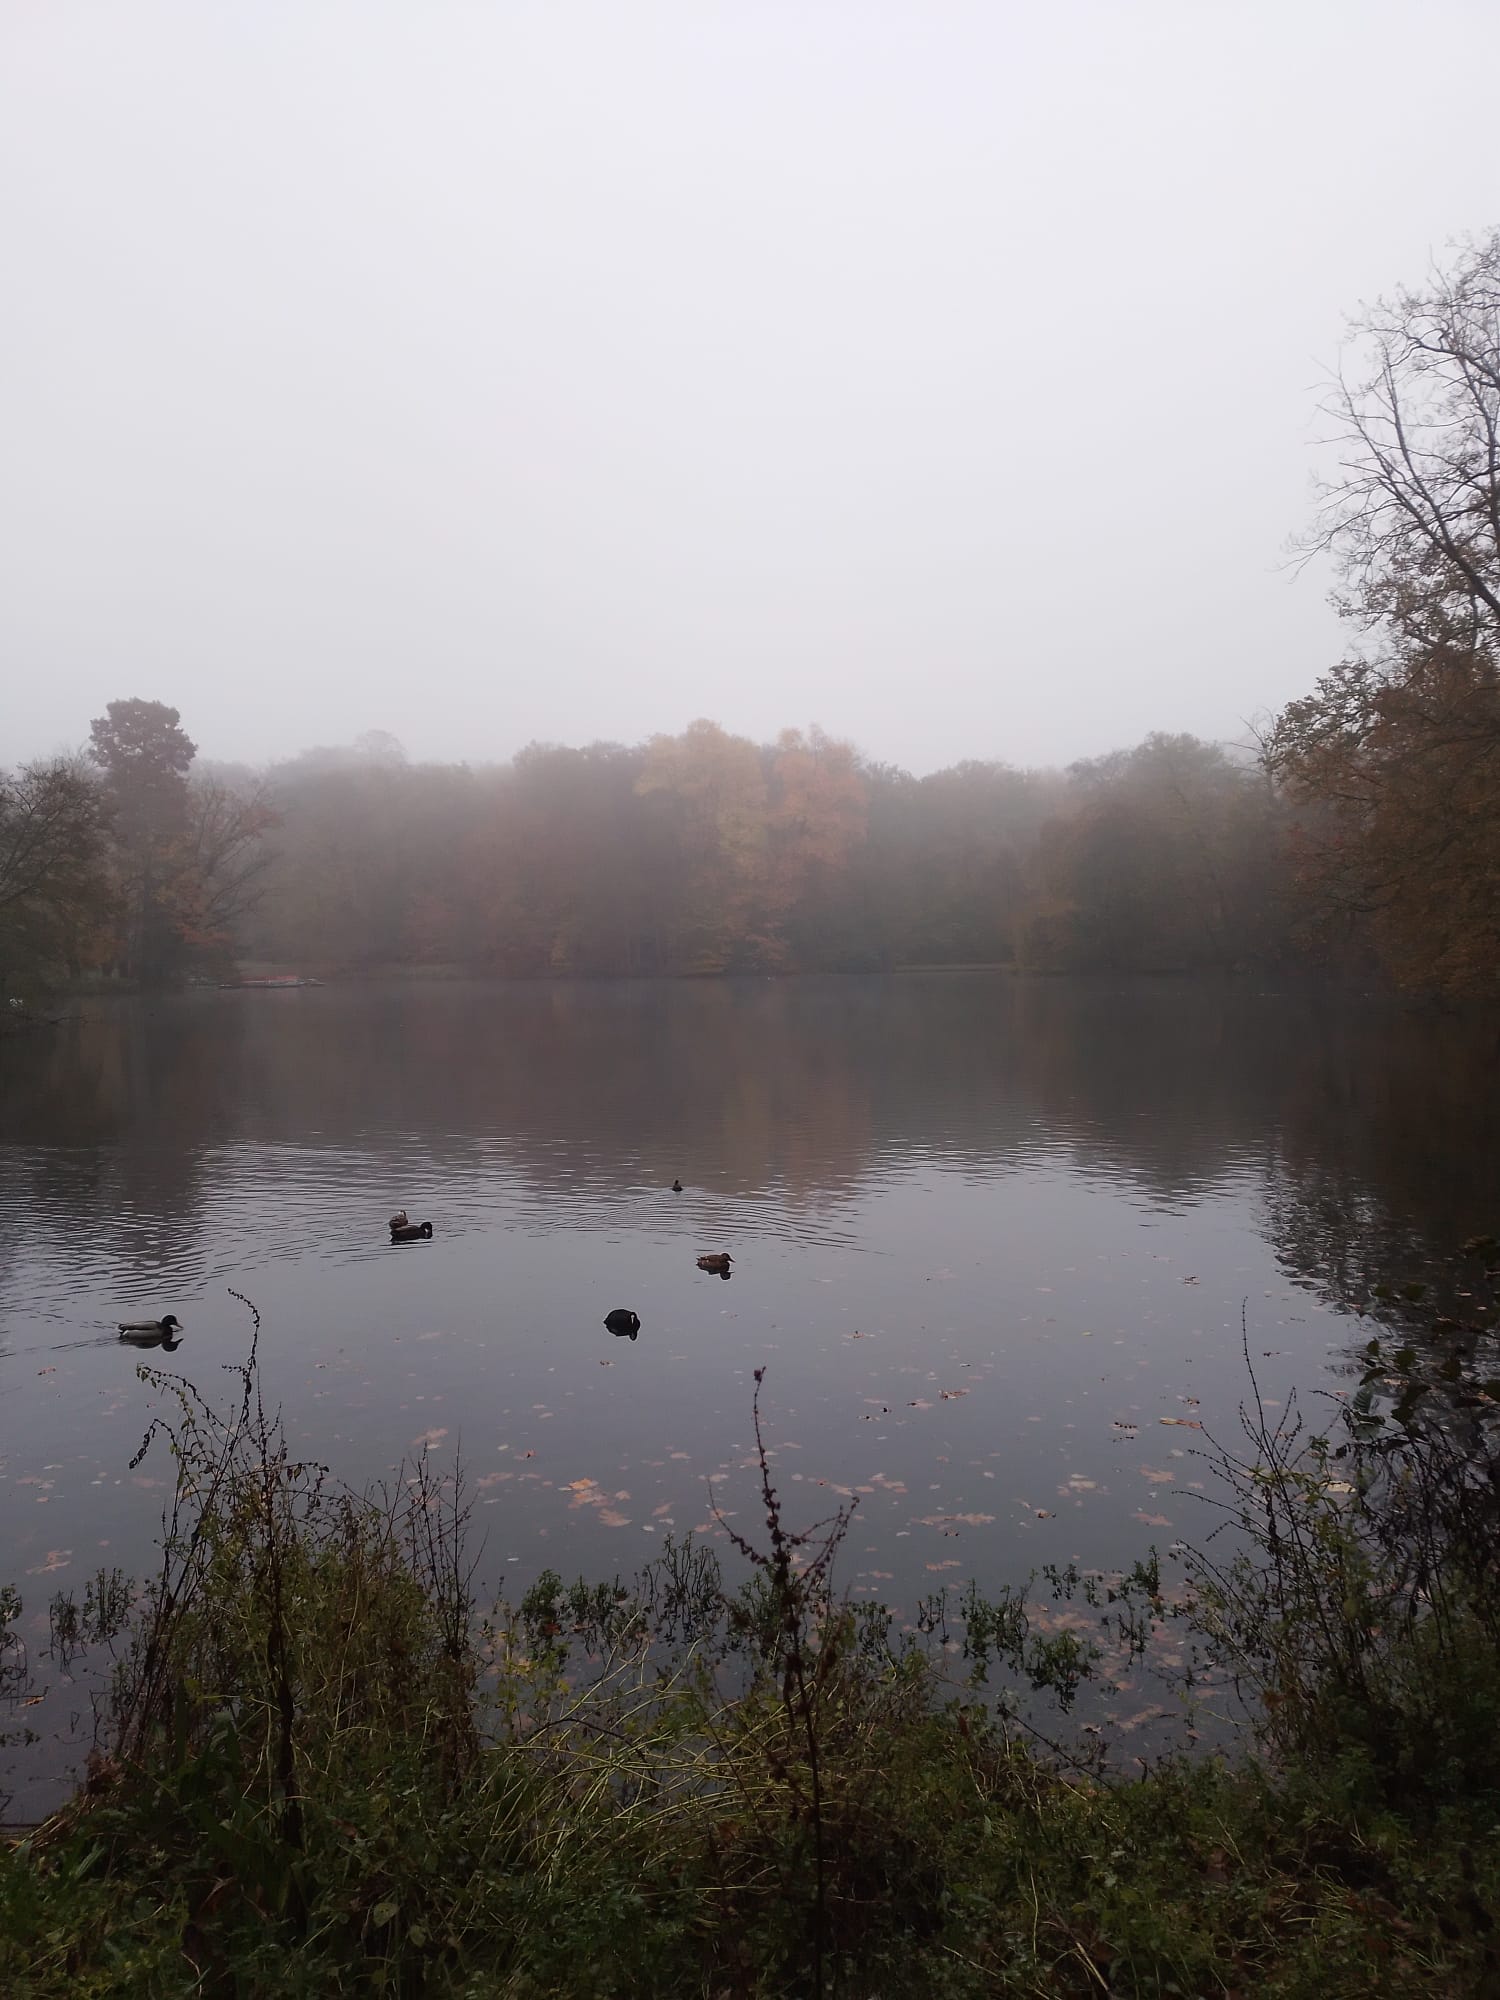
(164, 1332)
(409, 1232)
(717, 1261)
(623, 1322)
(677, 1187)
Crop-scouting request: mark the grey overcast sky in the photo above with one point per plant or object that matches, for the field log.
(941, 373)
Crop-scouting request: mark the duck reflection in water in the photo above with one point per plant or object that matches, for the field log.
(623, 1323)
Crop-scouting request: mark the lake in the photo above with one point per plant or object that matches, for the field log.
(993, 1240)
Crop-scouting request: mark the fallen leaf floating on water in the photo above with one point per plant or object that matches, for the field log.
(1154, 1520)
(1187, 1423)
(1156, 1476)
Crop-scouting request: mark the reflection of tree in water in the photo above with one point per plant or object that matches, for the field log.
(1164, 1084)
(809, 1085)
(1366, 1125)
(1385, 1162)
(620, 1084)
(108, 1133)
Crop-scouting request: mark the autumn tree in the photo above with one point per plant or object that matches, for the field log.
(55, 892)
(709, 802)
(815, 822)
(1394, 760)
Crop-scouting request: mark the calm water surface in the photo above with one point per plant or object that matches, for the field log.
(992, 1238)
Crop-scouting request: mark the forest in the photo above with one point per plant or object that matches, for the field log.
(1359, 833)
(692, 854)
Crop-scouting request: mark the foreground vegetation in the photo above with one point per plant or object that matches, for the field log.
(325, 1773)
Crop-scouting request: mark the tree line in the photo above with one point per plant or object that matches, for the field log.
(698, 853)
(1363, 833)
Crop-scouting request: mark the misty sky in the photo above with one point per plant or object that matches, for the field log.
(944, 374)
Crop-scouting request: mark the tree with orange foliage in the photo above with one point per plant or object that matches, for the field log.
(709, 794)
(815, 818)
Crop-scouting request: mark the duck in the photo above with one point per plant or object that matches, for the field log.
(622, 1322)
(677, 1187)
(164, 1332)
(717, 1261)
(409, 1232)
(400, 1220)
